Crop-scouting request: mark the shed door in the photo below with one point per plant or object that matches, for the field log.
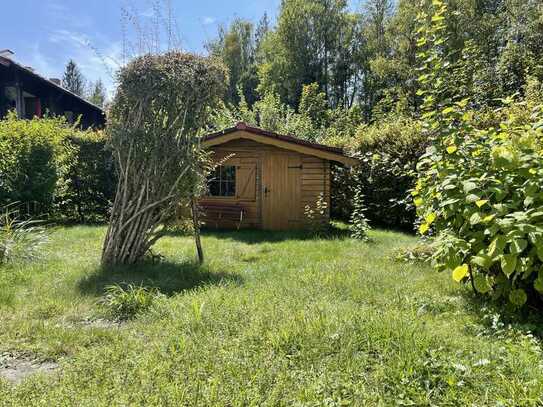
(281, 191)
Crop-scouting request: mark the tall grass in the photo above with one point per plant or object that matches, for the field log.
(20, 239)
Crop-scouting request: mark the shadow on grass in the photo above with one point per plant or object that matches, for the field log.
(167, 277)
(254, 236)
(498, 315)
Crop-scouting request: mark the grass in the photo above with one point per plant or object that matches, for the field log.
(271, 319)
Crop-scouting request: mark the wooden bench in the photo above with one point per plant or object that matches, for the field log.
(219, 211)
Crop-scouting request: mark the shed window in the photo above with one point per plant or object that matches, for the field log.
(222, 182)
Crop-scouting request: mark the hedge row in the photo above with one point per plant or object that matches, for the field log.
(51, 169)
(389, 152)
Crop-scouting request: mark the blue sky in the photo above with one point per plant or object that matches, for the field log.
(45, 34)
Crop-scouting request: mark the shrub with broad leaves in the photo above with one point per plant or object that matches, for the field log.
(480, 189)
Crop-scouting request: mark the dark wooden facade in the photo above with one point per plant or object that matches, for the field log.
(30, 95)
(276, 177)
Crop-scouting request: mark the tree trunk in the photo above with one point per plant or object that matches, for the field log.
(196, 223)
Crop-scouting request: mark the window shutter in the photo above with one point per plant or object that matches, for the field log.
(246, 182)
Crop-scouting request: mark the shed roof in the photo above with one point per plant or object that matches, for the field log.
(243, 131)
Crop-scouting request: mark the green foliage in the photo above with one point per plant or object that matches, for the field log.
(49, 167)
(124, 303)
(305, 45)
(388, 154)
(97, 93)
(359, 223)
(20, 239)
(480, 188)
(313, 104)
(268, 113)
(315, 216)
(89, 184)
(35, 157)
(158, 113)
(73, 79)
(236, 47)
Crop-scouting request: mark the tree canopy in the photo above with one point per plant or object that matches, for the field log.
(366, 57)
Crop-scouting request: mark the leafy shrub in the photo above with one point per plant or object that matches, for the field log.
(315, 216)
(388, 155)
(124, 303)
(88, 186)
(359, 223)
(35, 155)
(19, 239)
(480, 189)
(51, 168)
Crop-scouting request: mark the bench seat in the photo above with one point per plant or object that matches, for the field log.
(222, 211)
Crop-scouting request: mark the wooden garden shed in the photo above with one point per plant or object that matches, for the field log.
(265, 180)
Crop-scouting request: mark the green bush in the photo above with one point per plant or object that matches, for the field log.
(51, 168)
(90, 180)
(388, 152)
(35, 155)
(359, 226)
(480, 189)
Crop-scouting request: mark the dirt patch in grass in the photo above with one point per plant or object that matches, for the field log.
(15, 368)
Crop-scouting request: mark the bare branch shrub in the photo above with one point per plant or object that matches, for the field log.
(161, 105)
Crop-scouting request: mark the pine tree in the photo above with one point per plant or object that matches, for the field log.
(73, 79)
(97, 94)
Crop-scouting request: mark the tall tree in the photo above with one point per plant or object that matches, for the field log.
(97, 93)
(235, 46)
(303, 48)
(262, 28)
(73, 79)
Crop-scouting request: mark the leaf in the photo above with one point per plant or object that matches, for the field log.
(463, 103)
(539, 250)
(475, 218)
(518, 246)
(460, 272)
(418, 202)
(509, 264)
(482, 260)
(469, 186)
(481, 283)
(430, 218)
(488, 218)
(496, 246)
(423, 228)
(538, 285)
(481, 202)
(452, 149)
(518, 297)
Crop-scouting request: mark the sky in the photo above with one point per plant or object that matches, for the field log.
(46, 34)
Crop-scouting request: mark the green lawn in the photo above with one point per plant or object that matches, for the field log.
(272, 319)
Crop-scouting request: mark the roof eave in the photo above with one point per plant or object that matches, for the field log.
(287, 142)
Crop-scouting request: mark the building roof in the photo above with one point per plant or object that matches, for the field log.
(242, 130)
(7, 62)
